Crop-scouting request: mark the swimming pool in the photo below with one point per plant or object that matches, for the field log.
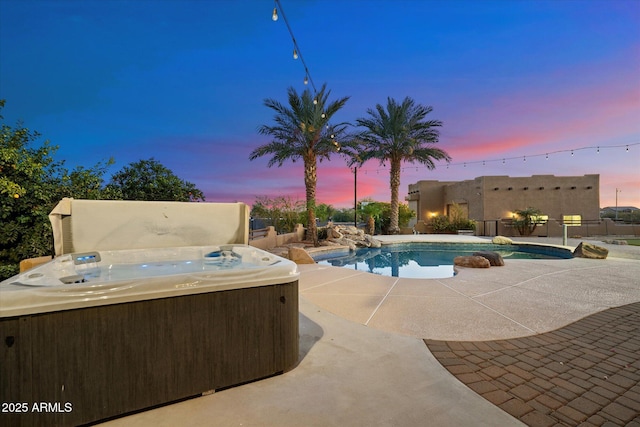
(431, 260)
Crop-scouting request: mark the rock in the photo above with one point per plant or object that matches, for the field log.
(495, 259)
(471, 262)
(616, 242)
(300, 256)
(345, 242)
(333, 233)
(373, 242)
(587, 250)
(501, 240)
(351, 236)
(329, 243)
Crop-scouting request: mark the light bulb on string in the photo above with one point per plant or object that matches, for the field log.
(571, 153)
(323, 115)
(306, 79)
(546, 156)
(627, 148)
(503, 161)
(274, 16)
(524, 158)
(295, 54)
(598, 150)
(315, 101)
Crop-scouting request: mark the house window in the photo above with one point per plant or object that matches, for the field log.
(540, 219)
(572, 220)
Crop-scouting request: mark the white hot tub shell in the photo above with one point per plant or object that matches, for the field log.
(109, 330)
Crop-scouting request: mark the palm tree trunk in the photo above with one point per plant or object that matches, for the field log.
(310, 180)
(394, 183)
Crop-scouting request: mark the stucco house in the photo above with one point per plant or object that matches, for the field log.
(491, 201)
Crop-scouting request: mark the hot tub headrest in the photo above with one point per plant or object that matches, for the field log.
(94, 225)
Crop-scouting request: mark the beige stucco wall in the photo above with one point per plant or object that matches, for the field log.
(429, 198)
(496, 197)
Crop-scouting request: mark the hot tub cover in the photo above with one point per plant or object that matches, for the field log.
(95, 225)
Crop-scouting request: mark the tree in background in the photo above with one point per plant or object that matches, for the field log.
(342, 215)
(31, 184)
(527, 220)
(150, 180)
(281, 212)
(377, 215)
(324, 212)
(400, 134)
(302, 130)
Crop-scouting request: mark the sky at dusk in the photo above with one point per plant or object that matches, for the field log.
(184, 82)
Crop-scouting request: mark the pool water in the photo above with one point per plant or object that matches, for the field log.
(430, 260)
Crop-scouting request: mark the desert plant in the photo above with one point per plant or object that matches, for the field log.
(526, 222)
(442, 224)
(459, 219)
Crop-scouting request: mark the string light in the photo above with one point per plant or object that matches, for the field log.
(546, 155)
(296, 48)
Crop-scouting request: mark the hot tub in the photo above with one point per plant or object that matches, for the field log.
(94, 335)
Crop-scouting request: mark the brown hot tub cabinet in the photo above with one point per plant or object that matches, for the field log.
(98, 352)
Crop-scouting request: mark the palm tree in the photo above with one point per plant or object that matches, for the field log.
(400, 133)
(302, 131)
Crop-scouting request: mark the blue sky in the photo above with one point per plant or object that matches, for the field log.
(184, 82)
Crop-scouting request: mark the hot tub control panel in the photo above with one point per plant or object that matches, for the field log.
(86, 258)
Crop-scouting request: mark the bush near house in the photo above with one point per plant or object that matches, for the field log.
(526, 222)
(457, 220)
(442, 224)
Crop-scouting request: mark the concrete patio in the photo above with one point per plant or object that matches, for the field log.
(363, 360)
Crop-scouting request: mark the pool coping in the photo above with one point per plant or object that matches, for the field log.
(321, 253)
